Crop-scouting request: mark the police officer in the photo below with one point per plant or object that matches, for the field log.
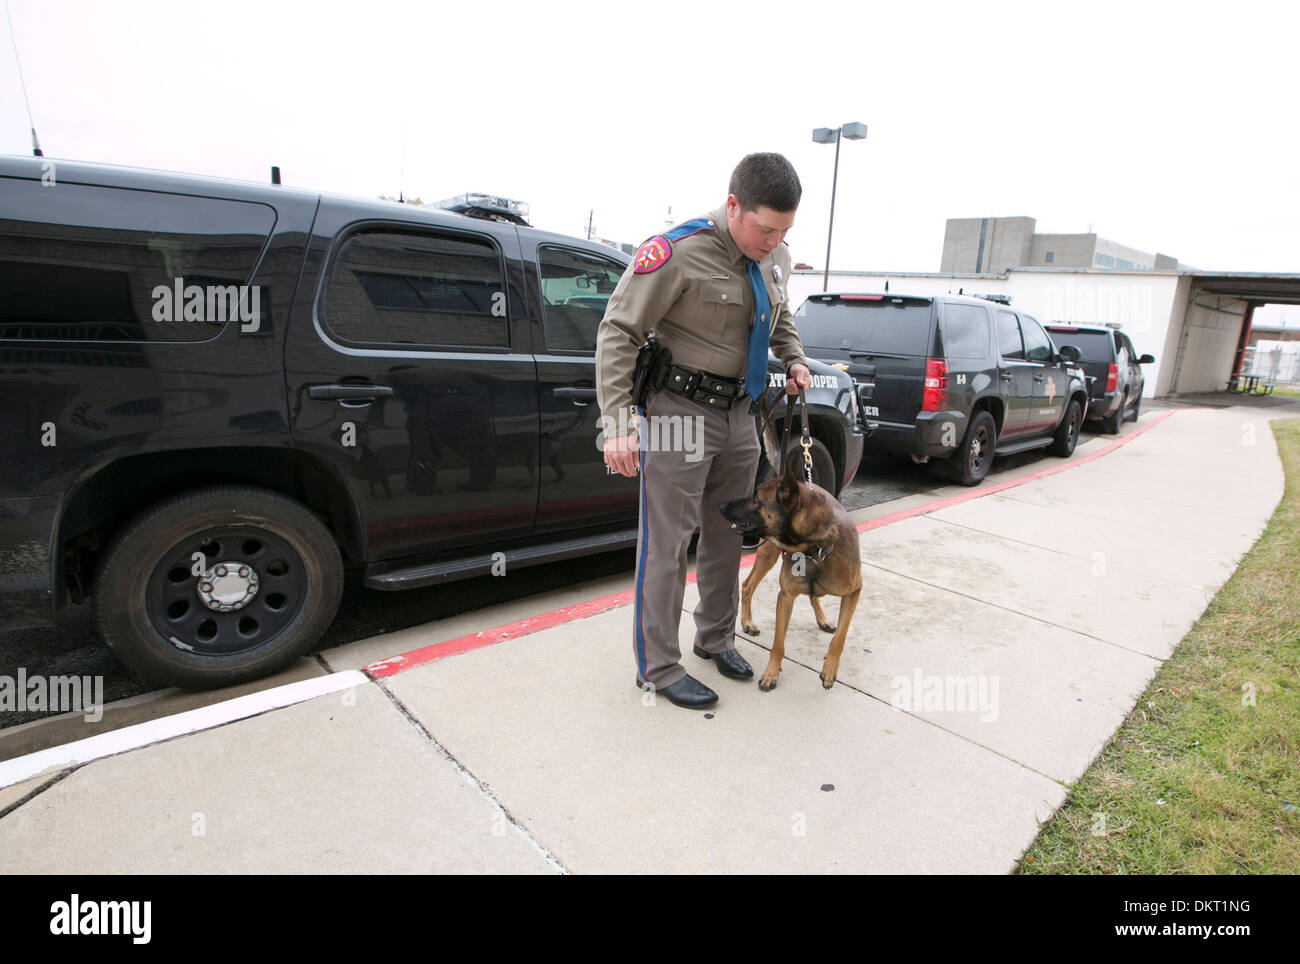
(714, 291)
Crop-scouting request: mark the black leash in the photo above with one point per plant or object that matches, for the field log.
(805, 440)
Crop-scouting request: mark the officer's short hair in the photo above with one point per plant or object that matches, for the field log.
(766, 180)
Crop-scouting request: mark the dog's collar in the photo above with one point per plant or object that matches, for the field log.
(815, 557)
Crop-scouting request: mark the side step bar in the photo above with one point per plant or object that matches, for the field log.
(431, 574)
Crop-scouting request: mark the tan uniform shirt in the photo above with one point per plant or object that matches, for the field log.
(700, 304)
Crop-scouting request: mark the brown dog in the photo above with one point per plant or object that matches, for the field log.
(807, 525)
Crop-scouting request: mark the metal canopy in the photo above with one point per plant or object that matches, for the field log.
(1280, 289)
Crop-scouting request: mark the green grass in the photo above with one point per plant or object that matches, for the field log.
(1200, 779)
(1286, 391)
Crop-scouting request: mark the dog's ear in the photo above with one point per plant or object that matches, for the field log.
(787, 494)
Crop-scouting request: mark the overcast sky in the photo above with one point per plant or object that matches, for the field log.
(1162, 126)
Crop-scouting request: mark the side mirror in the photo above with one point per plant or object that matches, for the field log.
(1147, 360)
(1070, 353)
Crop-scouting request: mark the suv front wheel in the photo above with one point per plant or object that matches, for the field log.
(217, 586)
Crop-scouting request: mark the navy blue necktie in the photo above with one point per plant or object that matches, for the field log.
(756, 372)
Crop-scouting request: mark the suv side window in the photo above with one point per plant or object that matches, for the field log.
(84, 263)
(415, 288)
(965, 331)
(1038, 347)
(1009, 344)
(1126, 352)
(575, 287)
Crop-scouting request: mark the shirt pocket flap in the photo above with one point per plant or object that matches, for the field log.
(715, 292)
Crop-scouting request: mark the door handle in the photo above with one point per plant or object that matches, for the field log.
(350, 391)
(580, 396)
(1007, 376)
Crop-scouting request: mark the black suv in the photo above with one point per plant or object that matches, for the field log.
(216, 396)
(949, 380)
(1113, 368)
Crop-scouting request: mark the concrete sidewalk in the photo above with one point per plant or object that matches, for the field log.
(1001, 637)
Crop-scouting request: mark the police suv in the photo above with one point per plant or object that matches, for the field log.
(950, 380)
(217, 396)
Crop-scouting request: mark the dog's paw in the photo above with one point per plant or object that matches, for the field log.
(829, 672)
(766, 684)
(825, 627)
(749, 628)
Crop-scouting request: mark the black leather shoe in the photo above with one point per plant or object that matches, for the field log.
(730, 663)
(688, 692)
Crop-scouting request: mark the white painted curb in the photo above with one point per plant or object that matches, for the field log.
(191, 721)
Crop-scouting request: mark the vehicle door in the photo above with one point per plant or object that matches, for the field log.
(573, 485)
(1016, 374)
(409, 375)
(1047, 379)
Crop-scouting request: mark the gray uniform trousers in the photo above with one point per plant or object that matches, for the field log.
(681, 489)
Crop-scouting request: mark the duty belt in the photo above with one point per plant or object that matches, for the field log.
(704, 387)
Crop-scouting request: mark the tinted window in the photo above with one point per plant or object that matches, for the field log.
(965, 331)
(390, 287)
(575, 287)
(82, 263)
(896, 326)
(1094, 346)
(1038, 346)
(1009, 344)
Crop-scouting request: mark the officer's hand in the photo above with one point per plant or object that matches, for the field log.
(621, 454)
(798, 377)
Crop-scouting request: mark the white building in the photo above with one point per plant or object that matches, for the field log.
(1196, 323)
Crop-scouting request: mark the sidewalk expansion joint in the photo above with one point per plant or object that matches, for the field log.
(36, 792)
(472, 780)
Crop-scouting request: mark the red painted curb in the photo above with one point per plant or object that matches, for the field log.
(556, 617)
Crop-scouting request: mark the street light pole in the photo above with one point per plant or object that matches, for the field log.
(830, 227)
(824, 135)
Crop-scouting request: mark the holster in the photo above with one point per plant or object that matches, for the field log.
(652, 363)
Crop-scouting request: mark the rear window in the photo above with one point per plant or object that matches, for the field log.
(890, 326)
(1094, 345)
(85, 263)
(965, 331)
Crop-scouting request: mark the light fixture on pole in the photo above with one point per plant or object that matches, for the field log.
(827, 135)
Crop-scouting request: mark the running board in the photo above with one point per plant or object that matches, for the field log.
(433, 573)
(1012, 448)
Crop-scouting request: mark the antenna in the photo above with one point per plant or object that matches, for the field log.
(36, 144)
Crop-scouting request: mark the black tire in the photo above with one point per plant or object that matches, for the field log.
(156, 614)
(1111, 423)
(972, 461)
(823, 467)
(1067, 433)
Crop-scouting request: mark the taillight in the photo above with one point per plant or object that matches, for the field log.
(1112, 376)
(935, 397)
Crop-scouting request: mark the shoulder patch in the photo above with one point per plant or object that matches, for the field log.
(687, 228)
(653, 254)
